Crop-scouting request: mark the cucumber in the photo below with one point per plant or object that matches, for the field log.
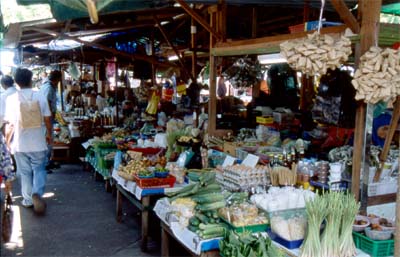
(192, 191)
(203, 218)
(215, 214)
(209, 236)
(194, 221)
(207, 178)
(211, 206)
(214, 230)
(192, 228)
(211, 220)
(210, 226)
(208, 198)
(183, 190)
(208, 214)
(193, 176)
(211, 188)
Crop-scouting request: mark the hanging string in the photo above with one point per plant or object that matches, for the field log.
(320, 15)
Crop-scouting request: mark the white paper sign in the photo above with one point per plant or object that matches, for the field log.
(251, 160)
(86, 145)
(229, 160)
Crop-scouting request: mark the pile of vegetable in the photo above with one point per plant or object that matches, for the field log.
(248, 245)
(132, 167)
(338, 211)
(207, 225)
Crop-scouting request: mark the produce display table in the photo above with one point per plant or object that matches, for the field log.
(166, 234)
(138, 196)
(296, 252)
(189, 240)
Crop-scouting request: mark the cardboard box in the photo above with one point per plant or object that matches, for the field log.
(282, 117)
(264, 119)
(230, 148)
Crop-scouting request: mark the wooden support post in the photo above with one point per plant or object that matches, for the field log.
(397, 235)
(145, 222)
(199, 19)
(254, 23)
(389, 137)
(306, 10)
(221, 21)
(212, 102)
(119, 206)
(166, 38)
(164, 242)
(153, 66)
(346, 15)
(369, 37)
(193, 33)
(358, 148)
(116, 93)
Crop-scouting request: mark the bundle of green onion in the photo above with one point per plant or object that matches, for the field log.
(338, 211)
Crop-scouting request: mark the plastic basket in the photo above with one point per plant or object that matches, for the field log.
(146, 150)
(251, 228)
(288, 244)
(373, 247)
(155, 182)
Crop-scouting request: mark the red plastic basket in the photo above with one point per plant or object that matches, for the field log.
(146, 150)
(155, 182)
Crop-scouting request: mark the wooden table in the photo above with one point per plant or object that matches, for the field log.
(143, 205)
(166, 234)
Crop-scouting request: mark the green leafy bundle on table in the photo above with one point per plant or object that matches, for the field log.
(248, 245)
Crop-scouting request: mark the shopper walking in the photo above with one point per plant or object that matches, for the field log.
(28, 115)
(7, 83)
(48, 90)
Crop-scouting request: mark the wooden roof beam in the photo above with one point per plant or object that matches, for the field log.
(345, 14)
(199, 19)
(164, 34)
(105, 48)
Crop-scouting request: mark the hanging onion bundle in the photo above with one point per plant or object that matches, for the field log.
(378, 76)
(316, 53)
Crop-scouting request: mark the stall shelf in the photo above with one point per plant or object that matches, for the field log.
(140, 197)
(207, 249)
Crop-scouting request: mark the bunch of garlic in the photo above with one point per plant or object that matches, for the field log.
(316, 53)
(378, 75)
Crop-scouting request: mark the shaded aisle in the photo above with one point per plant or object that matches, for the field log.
(80, 221)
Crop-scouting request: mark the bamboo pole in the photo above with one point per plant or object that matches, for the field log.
(397, 235)
(369, 37)
(388, 140)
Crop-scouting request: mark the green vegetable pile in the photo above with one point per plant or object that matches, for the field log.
(248, 245)
(338, 210)
(207, 225)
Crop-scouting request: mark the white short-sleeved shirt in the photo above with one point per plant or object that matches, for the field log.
(3, 97)
(32, 139)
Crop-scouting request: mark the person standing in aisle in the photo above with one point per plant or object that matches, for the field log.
(48, 90)
(28, 115)
(7, 83)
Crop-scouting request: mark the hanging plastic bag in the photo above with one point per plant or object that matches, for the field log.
(74, 71)
(153, 104)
